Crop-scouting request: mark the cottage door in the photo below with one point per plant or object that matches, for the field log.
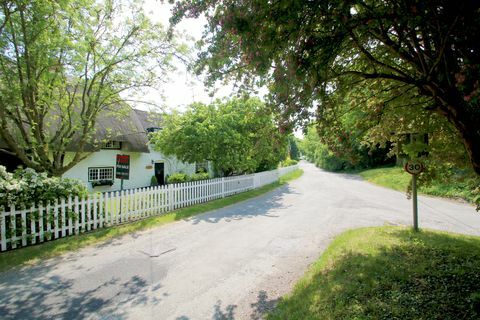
(160, 173)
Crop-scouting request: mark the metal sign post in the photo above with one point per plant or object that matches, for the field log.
(414, 168)
(415, 204)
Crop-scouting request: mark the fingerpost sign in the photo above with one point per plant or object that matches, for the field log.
(414, 168)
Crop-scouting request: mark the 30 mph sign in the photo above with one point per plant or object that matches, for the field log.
(414, 167)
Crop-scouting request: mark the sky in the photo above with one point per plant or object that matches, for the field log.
(183, 87)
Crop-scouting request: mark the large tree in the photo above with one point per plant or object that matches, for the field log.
(305, 50)
(64, 62)
(238, 135)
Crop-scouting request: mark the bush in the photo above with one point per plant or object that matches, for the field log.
(325, 159)
(199, 176)
(177, 178)
(288, 162)
(26, 186)
(153, 181)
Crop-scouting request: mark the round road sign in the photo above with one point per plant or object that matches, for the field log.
(414, 167)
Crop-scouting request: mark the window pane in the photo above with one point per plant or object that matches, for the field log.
(97, 174)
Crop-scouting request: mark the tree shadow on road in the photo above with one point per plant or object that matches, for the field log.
(259, 309)
(35, 295)
(265, 205)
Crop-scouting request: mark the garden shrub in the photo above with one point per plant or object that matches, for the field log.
(199, 176)
(288, 162)
(26, 186)
(177, 177)
(153, 181)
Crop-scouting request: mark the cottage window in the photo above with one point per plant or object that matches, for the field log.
(112, 144)
(100, 174)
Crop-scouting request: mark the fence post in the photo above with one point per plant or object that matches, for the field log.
(170, 197)
(40, 222)
(223, 187)
(13, 225)
(24, 227)
(33, 231)
(55, 219)
(3, 230)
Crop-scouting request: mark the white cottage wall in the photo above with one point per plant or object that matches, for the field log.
(141, 168)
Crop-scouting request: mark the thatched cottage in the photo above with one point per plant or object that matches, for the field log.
(122, 133)
(128, 135)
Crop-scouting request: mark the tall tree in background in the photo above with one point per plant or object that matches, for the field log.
(62, 62)
(238, 135)
(305, 50)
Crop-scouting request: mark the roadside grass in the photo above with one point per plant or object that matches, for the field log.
(31, 255)
(396, 178)
(391, 177)
(390, 273)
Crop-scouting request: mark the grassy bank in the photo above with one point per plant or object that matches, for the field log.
(30, 255)
(396, 178)
(390, 273)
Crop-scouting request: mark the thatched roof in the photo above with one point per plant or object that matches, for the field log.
(149, 119)
(125, 124)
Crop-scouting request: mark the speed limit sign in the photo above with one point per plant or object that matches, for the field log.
(414, 167)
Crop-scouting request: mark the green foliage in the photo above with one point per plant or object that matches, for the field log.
(153, 181)
(26, 186)
(421, 57)
(325, 159)
(293, 151)
(288, 162)
(62, 63)
(237, 135)
(341, 150)
(199, 176)
(177, 177)
(389, 273)
(180, 177)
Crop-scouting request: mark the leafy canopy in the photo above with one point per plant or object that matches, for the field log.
(237, 135)
(425, 52)
(62, 63)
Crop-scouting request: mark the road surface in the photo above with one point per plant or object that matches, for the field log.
(232, 263)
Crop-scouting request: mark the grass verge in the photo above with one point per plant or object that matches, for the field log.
(31, 255)
(390, 273)
(396, 178)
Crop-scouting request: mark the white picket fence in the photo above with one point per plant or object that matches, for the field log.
(65, 217)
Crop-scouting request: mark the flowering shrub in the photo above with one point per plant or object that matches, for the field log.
(26, 186)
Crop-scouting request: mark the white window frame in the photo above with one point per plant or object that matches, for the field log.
(100, 174)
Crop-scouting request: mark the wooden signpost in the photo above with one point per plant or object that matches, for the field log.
(414, 168)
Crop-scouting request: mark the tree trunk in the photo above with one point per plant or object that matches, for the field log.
(469, 128)
(467, 122)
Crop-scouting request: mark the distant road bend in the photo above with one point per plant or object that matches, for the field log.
(232, 263)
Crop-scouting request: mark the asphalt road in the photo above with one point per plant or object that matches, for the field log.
(232, 263)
